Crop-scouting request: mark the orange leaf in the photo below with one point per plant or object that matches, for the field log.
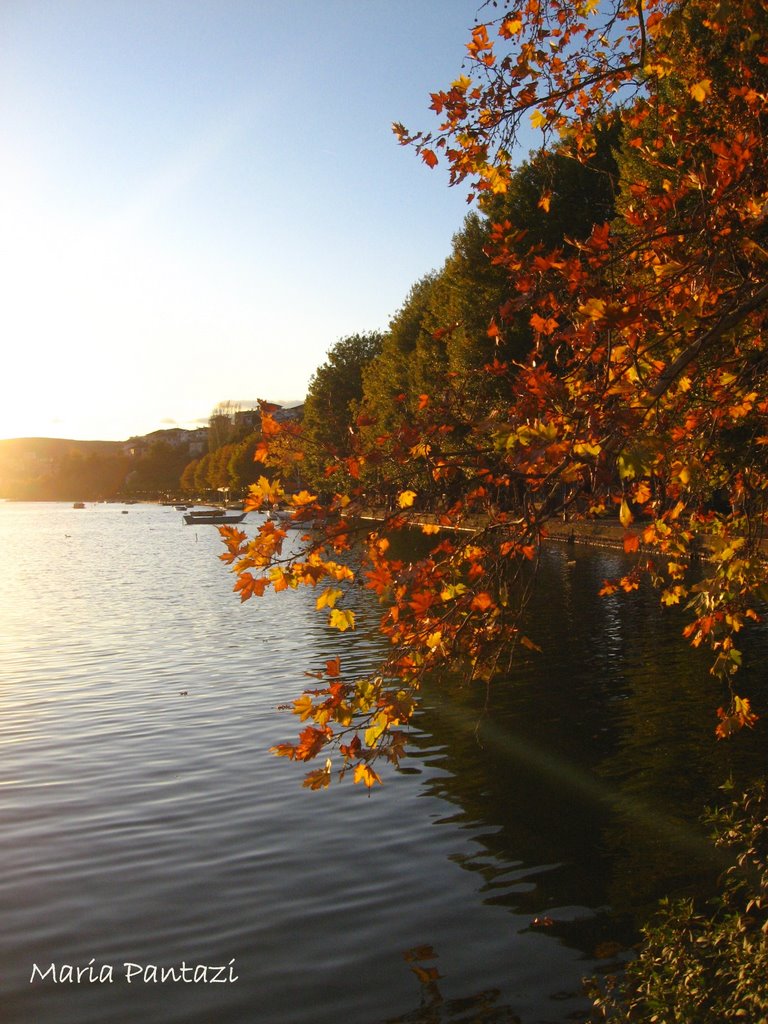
(422, 601)
(248, 585)
(548, 326)
(311, 742)
(625, 514)
(320, 778)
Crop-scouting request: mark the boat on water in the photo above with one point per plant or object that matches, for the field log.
(79, 504)
(214, 517)
(205, 513)
(284, 517)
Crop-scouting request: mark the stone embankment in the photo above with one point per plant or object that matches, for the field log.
(605, 533)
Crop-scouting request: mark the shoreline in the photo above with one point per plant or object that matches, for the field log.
(594, 533)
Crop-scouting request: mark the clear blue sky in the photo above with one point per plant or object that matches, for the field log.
(198, 198)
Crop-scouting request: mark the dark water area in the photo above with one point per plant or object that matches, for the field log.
(145, 822)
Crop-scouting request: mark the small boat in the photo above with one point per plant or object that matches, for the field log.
(205, 513)
(215, 518)
(181, 508)
(284, 517)
(79, 504)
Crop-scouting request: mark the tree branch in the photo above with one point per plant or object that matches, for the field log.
(729, 321)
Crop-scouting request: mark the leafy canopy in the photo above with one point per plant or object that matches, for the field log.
(622, 370)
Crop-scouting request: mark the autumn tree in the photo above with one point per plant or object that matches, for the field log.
(243, 468)
(643, 391)
(187, 480)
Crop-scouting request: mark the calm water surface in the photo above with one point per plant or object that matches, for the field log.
(145, 822)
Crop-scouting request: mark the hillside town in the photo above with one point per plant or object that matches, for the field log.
(169, 463)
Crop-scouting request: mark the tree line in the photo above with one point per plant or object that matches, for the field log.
(593, 345)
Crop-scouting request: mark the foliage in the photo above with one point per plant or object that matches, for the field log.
(230, 464)
(334, 391)
(706, 964)
(624, 371)
(156, 470)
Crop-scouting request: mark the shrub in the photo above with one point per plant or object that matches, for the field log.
(708, 964)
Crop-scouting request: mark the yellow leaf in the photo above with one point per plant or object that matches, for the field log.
(264, 492)
(462, 83)
(328, 598)
(625, 514)
(495, 178)
(302, 706)
(364, 773)
(421, 450)
(593, 308)
(342, 619)
(700, 90)
(538, 119)
(406, 499)
(683, 473)
(303, 498)
(585, 448)
(378, 725)
(545, 202)
(512, 26)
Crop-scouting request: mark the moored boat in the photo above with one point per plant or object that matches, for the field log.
(205, 513)
(214, 517)
(284, 516)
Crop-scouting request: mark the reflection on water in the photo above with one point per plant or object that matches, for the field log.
(482, 1008)
(144, 820)
(602, 746)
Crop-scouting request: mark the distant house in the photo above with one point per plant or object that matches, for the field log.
(283, 414)
(135, 447)
(247, 420)
(198, 441)
(193, 441)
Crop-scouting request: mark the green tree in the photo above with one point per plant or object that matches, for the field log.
(332, 398)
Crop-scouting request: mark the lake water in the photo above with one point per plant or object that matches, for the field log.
(144, 821)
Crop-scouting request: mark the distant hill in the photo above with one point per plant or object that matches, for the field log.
(53, 468)
(51, 447)
(60, 469)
